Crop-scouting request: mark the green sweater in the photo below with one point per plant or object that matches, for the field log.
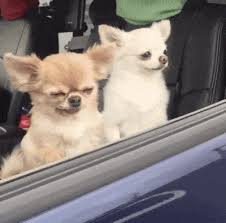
(141, 12)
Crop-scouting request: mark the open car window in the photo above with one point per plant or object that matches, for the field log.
(196, 109)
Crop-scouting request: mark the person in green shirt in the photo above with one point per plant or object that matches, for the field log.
(132, 14)
(143, 12)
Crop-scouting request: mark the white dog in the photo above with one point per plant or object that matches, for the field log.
(136, 96)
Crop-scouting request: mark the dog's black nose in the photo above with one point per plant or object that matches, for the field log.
(75, 101)
(163, 59)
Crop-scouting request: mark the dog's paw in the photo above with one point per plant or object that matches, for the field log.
(12, 165)
(112, 134)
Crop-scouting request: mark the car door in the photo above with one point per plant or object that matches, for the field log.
(174, 173)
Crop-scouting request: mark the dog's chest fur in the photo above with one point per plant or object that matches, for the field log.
(134, 93)
(66, 135)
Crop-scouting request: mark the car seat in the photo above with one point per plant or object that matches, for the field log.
(15, 37)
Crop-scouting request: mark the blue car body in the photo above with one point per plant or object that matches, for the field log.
(188, 187)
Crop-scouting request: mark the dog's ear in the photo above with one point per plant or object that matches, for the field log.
(164, 27)
(109, 34)
(102, 57)
(23, 71)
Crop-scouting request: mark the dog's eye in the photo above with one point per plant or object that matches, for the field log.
(56, 94)
(146, 55)
(87, 90)
(165, 52)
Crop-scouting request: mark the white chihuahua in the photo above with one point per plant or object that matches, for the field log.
(136, 96)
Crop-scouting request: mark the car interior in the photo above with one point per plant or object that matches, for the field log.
(196, 79)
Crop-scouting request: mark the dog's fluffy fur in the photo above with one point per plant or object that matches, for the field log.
(58, 130)
(136, 96)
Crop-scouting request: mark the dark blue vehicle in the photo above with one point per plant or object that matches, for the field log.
(187, 187)
(175, 173)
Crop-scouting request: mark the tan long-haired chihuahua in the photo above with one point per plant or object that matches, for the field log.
(65, 120)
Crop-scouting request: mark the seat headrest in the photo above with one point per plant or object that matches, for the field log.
(195, 3)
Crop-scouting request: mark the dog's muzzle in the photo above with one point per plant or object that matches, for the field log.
(75, 101)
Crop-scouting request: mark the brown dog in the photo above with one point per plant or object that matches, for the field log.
(65, 120)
